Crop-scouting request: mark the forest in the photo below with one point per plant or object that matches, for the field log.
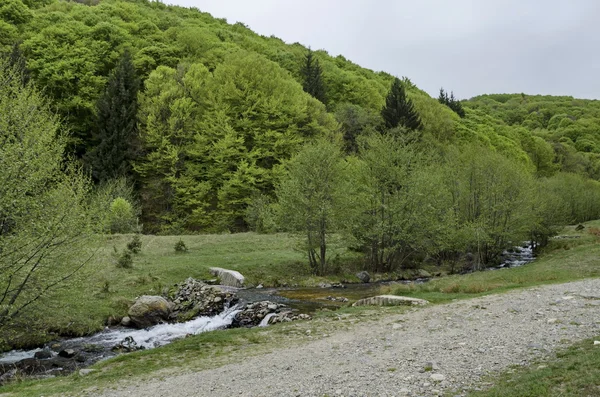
(137, 117)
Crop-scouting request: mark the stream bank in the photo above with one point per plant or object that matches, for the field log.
(67, 355)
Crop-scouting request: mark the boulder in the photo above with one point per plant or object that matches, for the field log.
(126, 321)
(67, 353)
(265, 313)
(43, 355)
(363, 276)
(390, 300)
(422, 273)
(149, 310)
(231, 278)
(194, 298)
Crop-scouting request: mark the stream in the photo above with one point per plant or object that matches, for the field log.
(303, 300)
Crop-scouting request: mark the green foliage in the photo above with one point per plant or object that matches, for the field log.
(556, 132)
(261, 215)
(135, 245)
(224, 109)
(312, 75)
(215, 140)
(491, 197)
(125, 259)
(180, 246)
(15, 12)
(113, 145)
(355, 121)
(313, 198)
(451, 102)
(104, 195)
(399, 110)
(44, 219)
(122, 218)
(393, 222)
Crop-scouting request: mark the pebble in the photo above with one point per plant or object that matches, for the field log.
(509, 337)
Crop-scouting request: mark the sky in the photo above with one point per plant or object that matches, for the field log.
(471, 47)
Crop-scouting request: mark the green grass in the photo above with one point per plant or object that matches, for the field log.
(564, 260)
(84, 306)
(574, 371)
(203, 351)
(103, 290)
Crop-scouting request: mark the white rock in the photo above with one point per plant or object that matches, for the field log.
(437, 377)
(84, 372)
(596, 342)
(230, 278)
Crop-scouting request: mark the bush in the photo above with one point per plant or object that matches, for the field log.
(260, 215)
(122, 217)
(180, 246)
(135, 245)
(125, 260)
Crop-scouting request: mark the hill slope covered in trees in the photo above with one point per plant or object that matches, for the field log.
(221, 110)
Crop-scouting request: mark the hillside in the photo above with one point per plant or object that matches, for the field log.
(569, 126)
(222, 109)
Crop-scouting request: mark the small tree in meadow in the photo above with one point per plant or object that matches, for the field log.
(312, 197)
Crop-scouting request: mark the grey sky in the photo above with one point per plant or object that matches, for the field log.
(469, 46)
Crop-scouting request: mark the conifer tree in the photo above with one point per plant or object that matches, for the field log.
(443, 98)
(399, 110)
(17, 60)
(451, 102)
(456, 105)
(313, 77)
(116, 124)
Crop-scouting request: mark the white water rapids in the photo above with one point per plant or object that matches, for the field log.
(149, 338)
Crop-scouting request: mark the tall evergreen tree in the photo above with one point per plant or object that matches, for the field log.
(313, 77)
(443, 98)
(399, 110)
(115, 134)
(451, 102)
(17, 60)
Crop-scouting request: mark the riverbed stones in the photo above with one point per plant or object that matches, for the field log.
(252, 314)
(230, 278)
(194, 298)
(149, 310)
(67, 353)
(390, 300)
(43, 355)
(363, 276)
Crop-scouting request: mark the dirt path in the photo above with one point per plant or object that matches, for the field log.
(459, 342)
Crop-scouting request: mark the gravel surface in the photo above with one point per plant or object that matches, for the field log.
(424, 352)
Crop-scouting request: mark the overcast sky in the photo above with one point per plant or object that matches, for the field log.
(469, 46)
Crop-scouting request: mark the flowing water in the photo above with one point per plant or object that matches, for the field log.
(305, 300)
(148, 338)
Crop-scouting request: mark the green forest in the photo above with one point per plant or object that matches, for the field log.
(137, 117)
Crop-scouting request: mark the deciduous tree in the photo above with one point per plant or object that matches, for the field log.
(44, 222)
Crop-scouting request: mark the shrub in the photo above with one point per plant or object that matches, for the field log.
(122, 218)
(260, 215)
(180, 246)
(135, 245)
(125, 260)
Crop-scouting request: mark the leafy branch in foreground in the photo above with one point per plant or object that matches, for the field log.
(44, 223)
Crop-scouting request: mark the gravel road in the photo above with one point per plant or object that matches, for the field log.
(424, 352)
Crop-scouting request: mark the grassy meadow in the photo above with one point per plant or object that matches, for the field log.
(107, 290)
